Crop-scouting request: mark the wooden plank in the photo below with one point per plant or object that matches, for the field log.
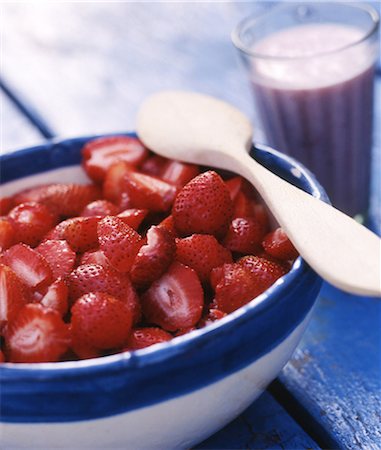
(264, 425)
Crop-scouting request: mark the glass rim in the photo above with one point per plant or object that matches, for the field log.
(237, 41)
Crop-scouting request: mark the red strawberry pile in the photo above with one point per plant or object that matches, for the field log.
(151, 249)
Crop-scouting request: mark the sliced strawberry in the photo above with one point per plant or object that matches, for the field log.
(119, 242)
(148, 192)
(29, 265)
(60, 257)
(13, 295)
(168, 224)
(277, 244)
(234, 286)
(95, 278)
(101, 153)
(261, 215)
(154, 258)
(37, 334)
(203, 206)
(56, 297)
(145, 337)
(154, 165)
(234, 186)
(133, 217)
(113, 189)
(175, 300)
(31, 221)
(245, 235)
(264, 271)
(179, 173)
(81, 233)
(7, 234)
(202, 252)
(95, 257)
(2, 357)
(100, 208)
(101, 320)
(6, 204)
(58, 232)
(63, 199)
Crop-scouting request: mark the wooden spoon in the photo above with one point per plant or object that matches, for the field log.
(200, 129)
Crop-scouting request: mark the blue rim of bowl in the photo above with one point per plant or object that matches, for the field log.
(164, 351)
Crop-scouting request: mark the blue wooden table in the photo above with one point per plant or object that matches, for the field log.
(79, 68)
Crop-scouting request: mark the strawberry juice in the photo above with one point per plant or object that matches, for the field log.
(315, 103)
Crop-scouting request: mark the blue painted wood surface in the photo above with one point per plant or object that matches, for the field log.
(89, 68)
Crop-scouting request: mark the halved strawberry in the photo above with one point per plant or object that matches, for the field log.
(245, 235)
(7, 234)
(37, 334)
(101, 153)
(179, 173)
(101, 320)
(13, 295)
(234, 286)
(203, 206)
(56, 297)
(81, 233)
(113, 189)
(277, 244)
(154, 165)
(29, 265)
(147, 192)
(133, 217)
(96, 278)
(95, 257)
(119, 242)
(265, 270)
(31, 221)
(154, 258)
(145, 337)
(59, 255)
(100, 208)
(63, 199)
(175, 300)
(202, 252)
(6, 204)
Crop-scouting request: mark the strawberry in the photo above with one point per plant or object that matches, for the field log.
(31, 267)
(203, 206)
(113, 190)
(95, 257)
(264, 271)
(234, 186)
(96, 278)
(13, 295)
(244, 235)
(175, 300)
(243, 206)
(81, 233)
(147, 192)
(58, 232)
(234, 286)
(101, 321)
(145, 337)
(59, 256)
(63, 199)
(100, 208)
(99, 154)
(154, 258)
(80, 348)
(6, 204)
(7, 234)
(31, 221)
(119, 242)
(133, 217)
(213, 315)
(2, 357)
(202, 252)
(179, 173)
(56, 297)
(37, 334)
(154, 165)
(277, 244)
(168, 224)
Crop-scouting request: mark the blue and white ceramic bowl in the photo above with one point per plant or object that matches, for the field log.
(169, 396)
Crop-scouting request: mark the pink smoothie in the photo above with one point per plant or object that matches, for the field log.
(319, 108)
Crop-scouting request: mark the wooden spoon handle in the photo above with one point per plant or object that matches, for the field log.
(341, 251)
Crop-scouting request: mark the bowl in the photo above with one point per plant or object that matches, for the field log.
(171, 395)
